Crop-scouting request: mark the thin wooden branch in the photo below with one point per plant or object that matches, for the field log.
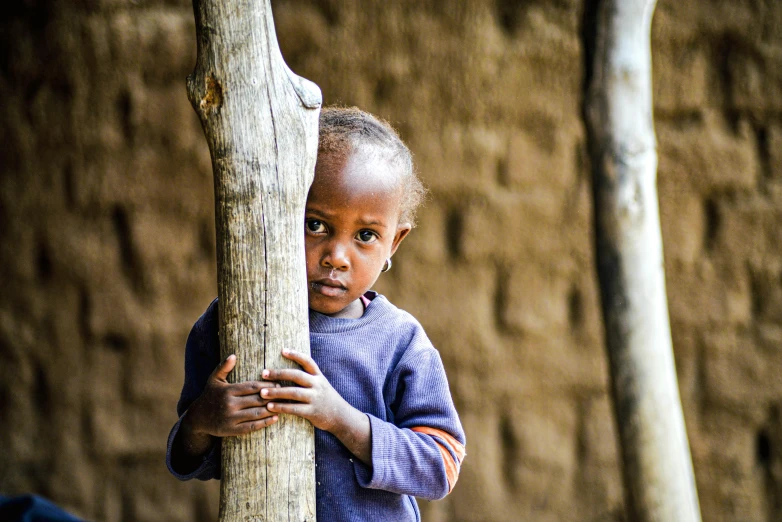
(261, 124)
(657, 466)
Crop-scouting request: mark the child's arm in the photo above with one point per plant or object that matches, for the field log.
(421, 450)
(318, 402)
(222, 410)
(193, 447)
(419, 454)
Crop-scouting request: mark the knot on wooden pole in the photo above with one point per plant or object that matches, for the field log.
(207, 101)
(213, 95)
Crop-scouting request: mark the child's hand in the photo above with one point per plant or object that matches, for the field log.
(225, 410)
(314, 398)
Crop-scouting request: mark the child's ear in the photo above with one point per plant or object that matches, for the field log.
(401, 232)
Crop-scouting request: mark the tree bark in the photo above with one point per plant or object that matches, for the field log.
(657, 466)
(261, 124)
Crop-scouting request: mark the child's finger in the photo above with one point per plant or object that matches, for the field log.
(249, 427)
(287, 392)
(252, 415)
(291, 408)
(224, 368)
(250, 387)
(304, 360)
(249, 401)
(288, 374)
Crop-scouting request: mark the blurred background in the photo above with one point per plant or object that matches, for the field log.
(107, 245)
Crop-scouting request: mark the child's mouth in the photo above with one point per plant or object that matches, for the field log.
(329, 288)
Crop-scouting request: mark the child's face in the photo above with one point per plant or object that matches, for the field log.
(351, 228)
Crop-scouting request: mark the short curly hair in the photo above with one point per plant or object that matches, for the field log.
(342, 130)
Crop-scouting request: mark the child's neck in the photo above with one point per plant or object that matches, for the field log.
(352, 311)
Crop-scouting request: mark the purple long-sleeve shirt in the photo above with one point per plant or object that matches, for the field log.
(384, 365)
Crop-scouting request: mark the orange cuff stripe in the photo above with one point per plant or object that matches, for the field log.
(451, 466)
(456, 446)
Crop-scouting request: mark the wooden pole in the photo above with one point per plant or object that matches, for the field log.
(261, 124)
(657, 467)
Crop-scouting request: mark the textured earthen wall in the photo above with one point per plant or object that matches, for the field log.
(107, 255)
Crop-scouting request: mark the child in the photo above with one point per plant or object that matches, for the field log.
(374, 388)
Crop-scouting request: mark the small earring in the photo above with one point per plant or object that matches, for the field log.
(386, 265)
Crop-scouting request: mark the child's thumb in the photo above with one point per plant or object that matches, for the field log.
(224, 368)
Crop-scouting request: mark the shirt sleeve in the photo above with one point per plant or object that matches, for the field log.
(202, 354)
(420, 452)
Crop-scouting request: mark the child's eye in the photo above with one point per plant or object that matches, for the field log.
(366, 236)
(315, 226)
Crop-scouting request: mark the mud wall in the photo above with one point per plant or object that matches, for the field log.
(107, 253)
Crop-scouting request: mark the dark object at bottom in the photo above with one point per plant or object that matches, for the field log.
(32, 508)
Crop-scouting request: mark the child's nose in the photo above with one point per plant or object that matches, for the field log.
(337, 256)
